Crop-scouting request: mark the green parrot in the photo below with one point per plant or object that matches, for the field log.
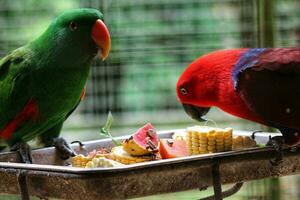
(42, 82)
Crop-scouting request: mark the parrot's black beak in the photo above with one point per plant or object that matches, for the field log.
(196, 112)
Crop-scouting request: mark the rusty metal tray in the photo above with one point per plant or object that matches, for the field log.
(49, 177)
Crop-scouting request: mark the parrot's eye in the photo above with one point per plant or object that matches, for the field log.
(183, 91)
(73, 26)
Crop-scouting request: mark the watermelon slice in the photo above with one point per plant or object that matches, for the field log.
(143, 142)
(169, 148)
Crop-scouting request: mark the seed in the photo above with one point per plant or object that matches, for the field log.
(151, 132)
(170, 142)
(151, 145)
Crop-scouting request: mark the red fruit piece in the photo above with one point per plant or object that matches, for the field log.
(172, 148)
(142, 142)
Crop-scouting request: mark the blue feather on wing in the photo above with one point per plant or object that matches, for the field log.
(247, 60)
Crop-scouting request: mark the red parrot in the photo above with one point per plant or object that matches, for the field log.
(259, 84)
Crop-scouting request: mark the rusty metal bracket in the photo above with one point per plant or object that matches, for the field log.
(22, 182)
(234, 189)
(218, 194)
(216, 180)
(227, 193)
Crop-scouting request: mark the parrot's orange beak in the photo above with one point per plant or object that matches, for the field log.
(101, 36)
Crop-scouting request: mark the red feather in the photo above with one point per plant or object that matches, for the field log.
(29, 112)
(83, 94)
(209, 82)
(259, 85)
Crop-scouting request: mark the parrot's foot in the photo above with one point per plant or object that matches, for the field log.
(253, 134)
(277, 142)
(79, 142)
(24, 150)
(63, 147)
(294, 149)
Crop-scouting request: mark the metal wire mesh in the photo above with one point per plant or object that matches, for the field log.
(287, 23)
(153, 41)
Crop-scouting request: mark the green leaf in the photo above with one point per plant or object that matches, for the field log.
(105, 130)
(109, 121)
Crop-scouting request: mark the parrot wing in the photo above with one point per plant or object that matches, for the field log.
(269, 83)
(16, 103)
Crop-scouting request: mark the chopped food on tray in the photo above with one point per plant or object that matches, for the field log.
(144, 145)
(98, 153)
(81, 160)
(140, 147)
(102, 162)
(242, 142)
(169, 148)
(92, 162)
(120, 155)
(143, 142)
(203, 139)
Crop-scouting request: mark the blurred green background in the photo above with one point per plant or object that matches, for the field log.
(152, 43)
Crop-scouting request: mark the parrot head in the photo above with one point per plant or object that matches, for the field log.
(208, 82)
(194, 90)
(77, 34)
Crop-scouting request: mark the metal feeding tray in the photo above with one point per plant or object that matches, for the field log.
(49, 177)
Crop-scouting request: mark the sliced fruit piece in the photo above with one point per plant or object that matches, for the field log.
(143, 142)
(80, 160)
(120, 155)
(169, 148)
(102, 162)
